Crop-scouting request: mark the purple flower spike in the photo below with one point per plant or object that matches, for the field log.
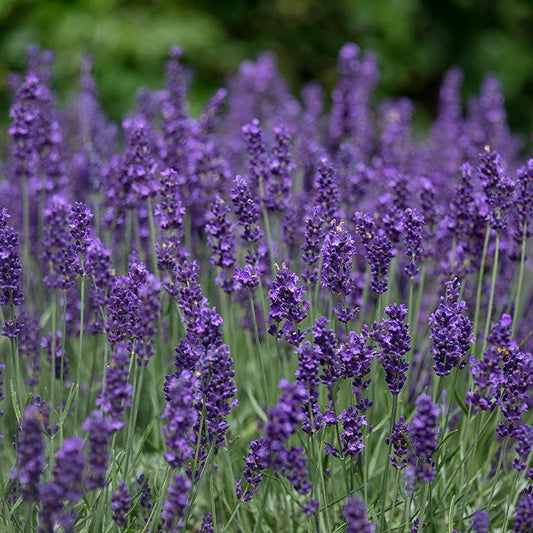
(337, 253)
(451, 331)
(480, 522)
(356, 517)
(64, 487)
(352, 436)
(393, 338)
(58, 252)
(413, 222)
(288, 307)
(176, 504)
(116, 393)
(80, 218)
(30, 454)
(10, 265)
(312, 246)
(523, 522)
(181, 415)
(100, 430)
(423, 432)
(378, 250)
(120, 504)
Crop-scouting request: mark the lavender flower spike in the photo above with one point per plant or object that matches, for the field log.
(356, 517)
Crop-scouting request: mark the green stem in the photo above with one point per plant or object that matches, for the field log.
(80, 352)
(492, 290)
(516, 312)
(480, 285)
(323, 483)
(26, 246)
(385, 479)
(137, 387)
(153, 236)
(259, 350)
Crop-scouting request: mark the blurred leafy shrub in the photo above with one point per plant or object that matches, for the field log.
(417, 40)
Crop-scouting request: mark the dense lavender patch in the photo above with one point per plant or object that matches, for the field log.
(269, 317)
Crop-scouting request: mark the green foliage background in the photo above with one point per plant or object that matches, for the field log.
(417, 40)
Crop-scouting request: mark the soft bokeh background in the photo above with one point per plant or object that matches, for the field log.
(417, 40)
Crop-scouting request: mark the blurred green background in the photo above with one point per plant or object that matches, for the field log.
(417, 40)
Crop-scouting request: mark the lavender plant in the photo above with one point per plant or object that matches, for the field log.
(269, 317)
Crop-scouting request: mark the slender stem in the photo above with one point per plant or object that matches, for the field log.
(516, 312)
(480, 284)
(26, 245)
(53, 375)
(492, 290)
(323, 483)
(80, 352)
(259, 350)
(385, 479)
(137, 387)
(153, 236)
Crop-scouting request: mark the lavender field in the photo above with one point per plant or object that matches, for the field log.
(291, 313)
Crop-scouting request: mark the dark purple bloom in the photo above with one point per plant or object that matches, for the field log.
(116, 392)
(337, 253)
(139, 174)
(170, 213)
(399, 444)
(523, 200)
(295, 470)
(356, 517)
(307, 376)
(270, 451)
(30, 454)
(288, 307)
(312, 246)
(258, 160)
(327, 193)
(488, 373)
(355, 357)
(310, 507)
(393, 338)
(523, 521)
(497, 186)
(423, 431)
(10, 265)
(413, 223)
(352, 436)
(68, 469)
(100, 429)
(278, 186)
(327, 343)
(248, 212)
(207, 524)
(29, 344)
(523, 436)
(145, 500)
(181, 416)
(247, 277)
(176, 504)
(120, 504)
(220, 237)
(64, 487)
(80, 218)
(59, 255)
(451, 330)
(480, 522)
(378, 250)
